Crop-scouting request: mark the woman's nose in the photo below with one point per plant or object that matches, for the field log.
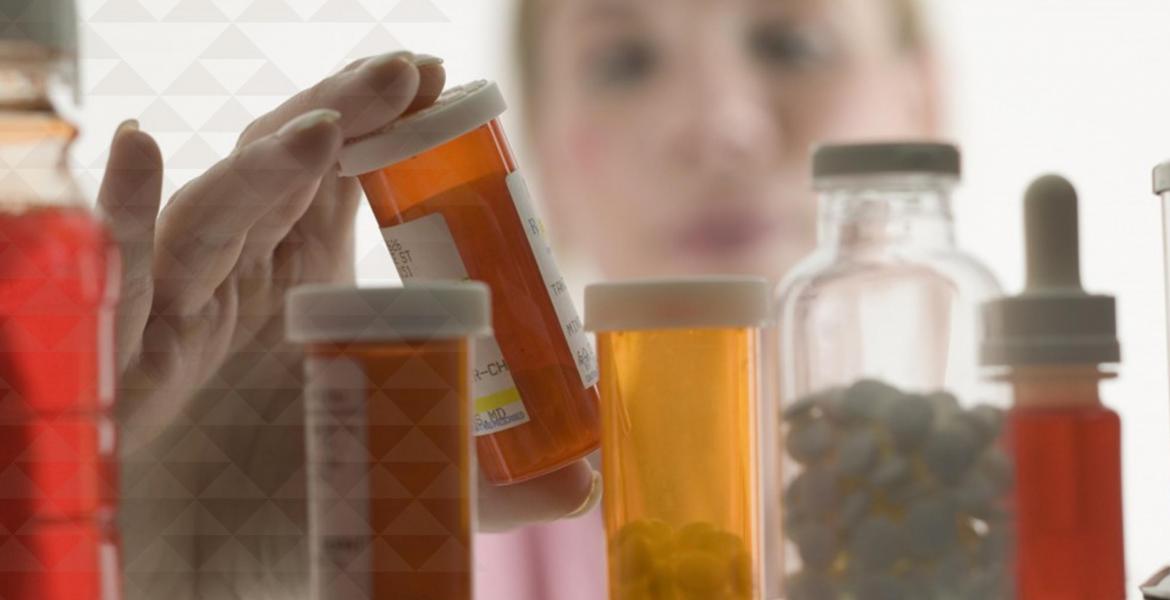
(728, 125)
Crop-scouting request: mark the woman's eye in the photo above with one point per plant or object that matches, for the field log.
(788, 46)
(624, 64)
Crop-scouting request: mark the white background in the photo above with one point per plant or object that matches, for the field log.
(1080, 87)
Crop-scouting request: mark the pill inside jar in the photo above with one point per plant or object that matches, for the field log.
(452, 205)
(894, 494)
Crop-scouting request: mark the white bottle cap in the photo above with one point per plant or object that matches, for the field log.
(458, 111)
(331, 313)
(1054, 322)
(688, 303)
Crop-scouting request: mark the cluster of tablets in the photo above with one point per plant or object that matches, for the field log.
(898, 495)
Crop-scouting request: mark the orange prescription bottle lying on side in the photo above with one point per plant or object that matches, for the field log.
(680, 436)
(388, 427)
(445, 188)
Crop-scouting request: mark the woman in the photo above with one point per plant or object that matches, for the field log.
(673, 138)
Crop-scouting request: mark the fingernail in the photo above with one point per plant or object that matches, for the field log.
(309, 120)
(426, 60)
(389, 57)
(125, 126)
(590, 502)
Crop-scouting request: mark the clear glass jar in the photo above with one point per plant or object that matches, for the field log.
(894, 480)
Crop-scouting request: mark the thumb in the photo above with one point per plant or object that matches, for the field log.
(129, 200)
(565, 494)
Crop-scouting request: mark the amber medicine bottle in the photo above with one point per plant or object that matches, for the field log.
(444, 186)
(680, 435)
(388, 426)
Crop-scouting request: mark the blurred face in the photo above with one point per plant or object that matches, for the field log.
(675, 134)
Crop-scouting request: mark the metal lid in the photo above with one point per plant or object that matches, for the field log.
(330, 313)
(458, 111)
(1054, 321)
(924, 158)
(688, 303)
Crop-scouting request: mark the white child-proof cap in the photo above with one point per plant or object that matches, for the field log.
(687, 303)
(332, 313)
(458, 111)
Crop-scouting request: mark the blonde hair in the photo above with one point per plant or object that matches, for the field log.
(908, 21)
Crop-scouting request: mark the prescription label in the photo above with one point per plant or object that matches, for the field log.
(425, 250)
(554, 282)
(338, 472)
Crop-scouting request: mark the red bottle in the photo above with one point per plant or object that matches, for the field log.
(1066, 445)
(58, 283)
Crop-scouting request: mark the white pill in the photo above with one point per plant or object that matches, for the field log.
(814, 492)
(891, 473)
(908, 420)
(867, 399)
(877, 544)
(809, 441)
(880, 586)
(986, 420)
(931, 525)
(997, 467)
(811, 586)
(858, 454)
(855, 508)
(950, 451)
(818, 545)
(975, 495)
(944, 403)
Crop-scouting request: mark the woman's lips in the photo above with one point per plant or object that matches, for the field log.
(726, 235)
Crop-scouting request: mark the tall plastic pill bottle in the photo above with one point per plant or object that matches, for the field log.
(388, 426)
(445, 188)
(680, 435)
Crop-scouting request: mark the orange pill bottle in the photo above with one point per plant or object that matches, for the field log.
(388, 428)
(452, 205)
(681, 435)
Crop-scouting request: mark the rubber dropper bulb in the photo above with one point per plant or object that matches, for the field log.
(1051, 223)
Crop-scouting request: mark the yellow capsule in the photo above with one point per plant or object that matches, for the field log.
(696, 535)
(633, 558)
(724, 545)
(741, 576)
(698, 572)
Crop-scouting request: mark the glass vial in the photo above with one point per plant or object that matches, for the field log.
(895, 482)
(680, 435)
(445, 188)
(58, 290)
(388, 426)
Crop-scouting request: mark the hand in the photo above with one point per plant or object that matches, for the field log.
(200, 325)
(206, 278)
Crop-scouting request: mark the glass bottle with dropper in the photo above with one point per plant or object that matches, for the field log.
(58, 283)
(1049, 343)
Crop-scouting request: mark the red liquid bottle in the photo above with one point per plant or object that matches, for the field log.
(1066, 445)
(58, 283)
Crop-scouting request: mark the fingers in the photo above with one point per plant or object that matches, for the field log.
(129, 199)
(201, 232)
(369, 94)
(570, 492)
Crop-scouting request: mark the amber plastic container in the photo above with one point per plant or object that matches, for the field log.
(388, 402)
(444, 186)
(680, 435)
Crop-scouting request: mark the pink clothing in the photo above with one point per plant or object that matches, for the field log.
(557, 561)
